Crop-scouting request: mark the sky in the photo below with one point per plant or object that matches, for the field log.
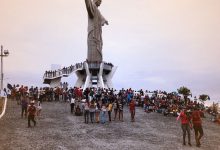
(156, 44)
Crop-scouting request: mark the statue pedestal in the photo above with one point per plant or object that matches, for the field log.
(89, 75)
(95, 75)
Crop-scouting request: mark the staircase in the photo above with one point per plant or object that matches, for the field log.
(94, 80)
(49, 76)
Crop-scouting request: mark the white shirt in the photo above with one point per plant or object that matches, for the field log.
(72, 101)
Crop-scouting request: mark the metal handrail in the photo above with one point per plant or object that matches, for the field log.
(61, 73)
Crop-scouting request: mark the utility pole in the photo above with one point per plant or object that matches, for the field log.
(3, 96)
(4, 53)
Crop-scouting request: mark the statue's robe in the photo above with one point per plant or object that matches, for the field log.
(95, 23)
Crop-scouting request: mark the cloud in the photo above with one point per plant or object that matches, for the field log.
(154, 80)
(155, 44)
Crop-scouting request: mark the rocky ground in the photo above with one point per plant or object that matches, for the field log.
(57, 129)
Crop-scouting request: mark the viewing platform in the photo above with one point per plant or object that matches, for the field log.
(92, 73)
(51, 77)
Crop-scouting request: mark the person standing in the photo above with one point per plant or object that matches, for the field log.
(31, 114)
(103, 114)
(92, 110)
(115, 107)
(39, 108)
(78, 111)
(197, 126)
(86, 111)
(132, 109)
(110, 111)
(24, 106)
(120, 107)
(97, 112)
(72, 104)
(185, 125)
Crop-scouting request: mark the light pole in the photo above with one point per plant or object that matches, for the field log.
(3, 96)
(4, 53)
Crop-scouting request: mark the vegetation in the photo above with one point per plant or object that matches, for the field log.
(185, 92)
(204, 98)
(215, 107)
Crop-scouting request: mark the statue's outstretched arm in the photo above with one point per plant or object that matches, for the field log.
(89, 7)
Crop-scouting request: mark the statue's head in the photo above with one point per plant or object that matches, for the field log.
(97, 2)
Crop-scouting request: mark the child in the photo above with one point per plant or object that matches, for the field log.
(103, 113)
(97, 112)
(39, 108)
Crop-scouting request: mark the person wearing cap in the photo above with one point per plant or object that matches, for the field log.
(185, 125)
(197, 126)
(31, 114)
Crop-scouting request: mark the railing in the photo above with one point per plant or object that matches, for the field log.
(66, 71)
(94, 65)
(108, 66)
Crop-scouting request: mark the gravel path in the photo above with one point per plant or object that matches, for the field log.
(1, 105)
(57, 129)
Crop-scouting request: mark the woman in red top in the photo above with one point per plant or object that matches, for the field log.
(185, 124)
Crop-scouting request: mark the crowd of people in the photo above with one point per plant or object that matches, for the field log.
(98, 105)
(213, 110)
(67, 70)
(64, 70)
(109, 64)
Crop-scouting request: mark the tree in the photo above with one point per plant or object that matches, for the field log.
(204, 98)
(215, 107)
(185, 92)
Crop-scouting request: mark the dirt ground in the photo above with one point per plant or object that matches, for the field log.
(57, 129)
(1, 104)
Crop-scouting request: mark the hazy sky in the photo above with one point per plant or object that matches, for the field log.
(156, 44)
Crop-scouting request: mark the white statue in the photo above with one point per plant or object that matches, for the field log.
(95, 23)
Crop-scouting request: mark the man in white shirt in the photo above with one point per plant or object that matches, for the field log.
(72, 104)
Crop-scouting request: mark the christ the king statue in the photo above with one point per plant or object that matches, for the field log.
(95, 23)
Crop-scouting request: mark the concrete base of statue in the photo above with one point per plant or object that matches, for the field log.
(55, 82)
(95, 75)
